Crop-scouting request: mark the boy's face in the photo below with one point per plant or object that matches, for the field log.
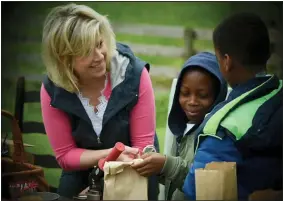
(196, 94)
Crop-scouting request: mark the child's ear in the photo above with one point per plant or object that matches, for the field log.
(228, 63)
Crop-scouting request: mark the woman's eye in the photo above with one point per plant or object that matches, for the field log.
(100, 44)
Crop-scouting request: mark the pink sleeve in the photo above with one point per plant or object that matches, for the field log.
(58, 130)
(142, 117)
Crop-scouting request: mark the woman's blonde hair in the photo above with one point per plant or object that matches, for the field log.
(73, 30)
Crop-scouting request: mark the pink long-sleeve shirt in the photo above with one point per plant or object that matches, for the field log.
(58, 127)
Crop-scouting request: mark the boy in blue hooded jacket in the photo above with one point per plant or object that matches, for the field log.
(199, 87)
(247, 127)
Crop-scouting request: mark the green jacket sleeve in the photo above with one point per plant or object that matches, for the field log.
(176, 169)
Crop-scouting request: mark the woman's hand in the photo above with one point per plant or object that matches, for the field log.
(128, 154)
(152, 164)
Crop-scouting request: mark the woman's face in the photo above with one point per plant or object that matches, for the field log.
(93, 65)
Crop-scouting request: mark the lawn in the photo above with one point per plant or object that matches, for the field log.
(25, 21)
(194, 14)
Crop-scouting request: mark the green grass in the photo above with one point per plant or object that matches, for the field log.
(52, 176)
(161, 137)
(194, 14)
(201, 45)
(163, 82)
(161, 102)
(162, 61)
(7, 95)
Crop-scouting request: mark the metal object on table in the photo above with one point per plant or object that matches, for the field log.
(80, 197)
(94, 195)
(95, 184)
(149, 148)
(46, 196)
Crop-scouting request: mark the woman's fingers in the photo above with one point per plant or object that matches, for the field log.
(131, 150)
(126, 157)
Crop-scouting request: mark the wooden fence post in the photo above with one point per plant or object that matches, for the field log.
(189, 37)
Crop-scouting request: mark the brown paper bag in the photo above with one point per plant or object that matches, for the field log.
(217, 181)
(122, 182)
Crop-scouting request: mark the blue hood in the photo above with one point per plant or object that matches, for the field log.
(177, 119)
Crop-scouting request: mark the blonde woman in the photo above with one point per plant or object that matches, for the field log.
(96, 93)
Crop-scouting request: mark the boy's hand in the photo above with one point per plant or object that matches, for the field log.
(152, 164)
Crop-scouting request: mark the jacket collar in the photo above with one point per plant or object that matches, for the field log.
(68, 102)
(269, 83)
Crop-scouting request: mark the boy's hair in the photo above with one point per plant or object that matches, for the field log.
(73, 30)
(244, 37)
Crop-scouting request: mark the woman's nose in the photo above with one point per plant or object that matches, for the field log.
(98, 55)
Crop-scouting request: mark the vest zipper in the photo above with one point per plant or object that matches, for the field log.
(98, 140)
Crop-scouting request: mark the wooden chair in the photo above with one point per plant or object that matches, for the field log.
(23, 96)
